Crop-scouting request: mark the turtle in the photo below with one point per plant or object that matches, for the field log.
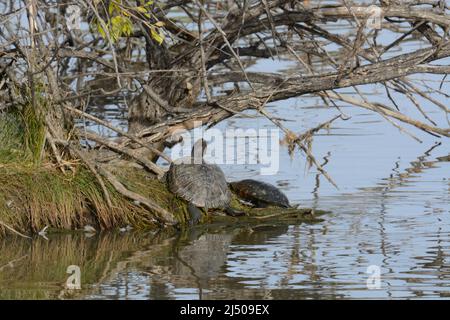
(260, 194)
(201, 184)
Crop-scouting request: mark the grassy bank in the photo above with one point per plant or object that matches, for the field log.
(35, 193)
(34, 197)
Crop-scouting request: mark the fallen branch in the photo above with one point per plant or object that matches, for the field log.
(163, 216)
(13, 230)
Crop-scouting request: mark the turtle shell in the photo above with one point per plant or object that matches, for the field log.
(204, 185)
(260, 193)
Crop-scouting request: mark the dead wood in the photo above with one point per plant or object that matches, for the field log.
(200, 75)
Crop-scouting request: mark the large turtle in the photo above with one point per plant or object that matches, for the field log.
(203, 185)
(260, 194)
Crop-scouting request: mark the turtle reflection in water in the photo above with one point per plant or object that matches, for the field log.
(201, 184)
(260, 194)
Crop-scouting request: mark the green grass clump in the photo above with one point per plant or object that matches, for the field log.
(34, 197)
(34, 193)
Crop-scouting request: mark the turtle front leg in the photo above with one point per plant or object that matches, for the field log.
(195, 213)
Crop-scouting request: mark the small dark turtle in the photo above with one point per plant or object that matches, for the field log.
(260, 194)
(203, 185)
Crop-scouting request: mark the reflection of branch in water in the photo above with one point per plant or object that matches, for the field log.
(294, 257)
(315, 191)
(10, 264)
(176, 254)
(155, 243)
(302, 257)
(417, 166)
(382, 229)
(398, 178)
(159, 289)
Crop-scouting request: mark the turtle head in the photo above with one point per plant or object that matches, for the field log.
(198, 150)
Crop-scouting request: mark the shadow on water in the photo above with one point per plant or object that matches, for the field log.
(189, 264)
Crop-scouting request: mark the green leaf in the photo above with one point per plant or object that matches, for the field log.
(158, 37)
(141, 9)
(111, 8)
(101, 30)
